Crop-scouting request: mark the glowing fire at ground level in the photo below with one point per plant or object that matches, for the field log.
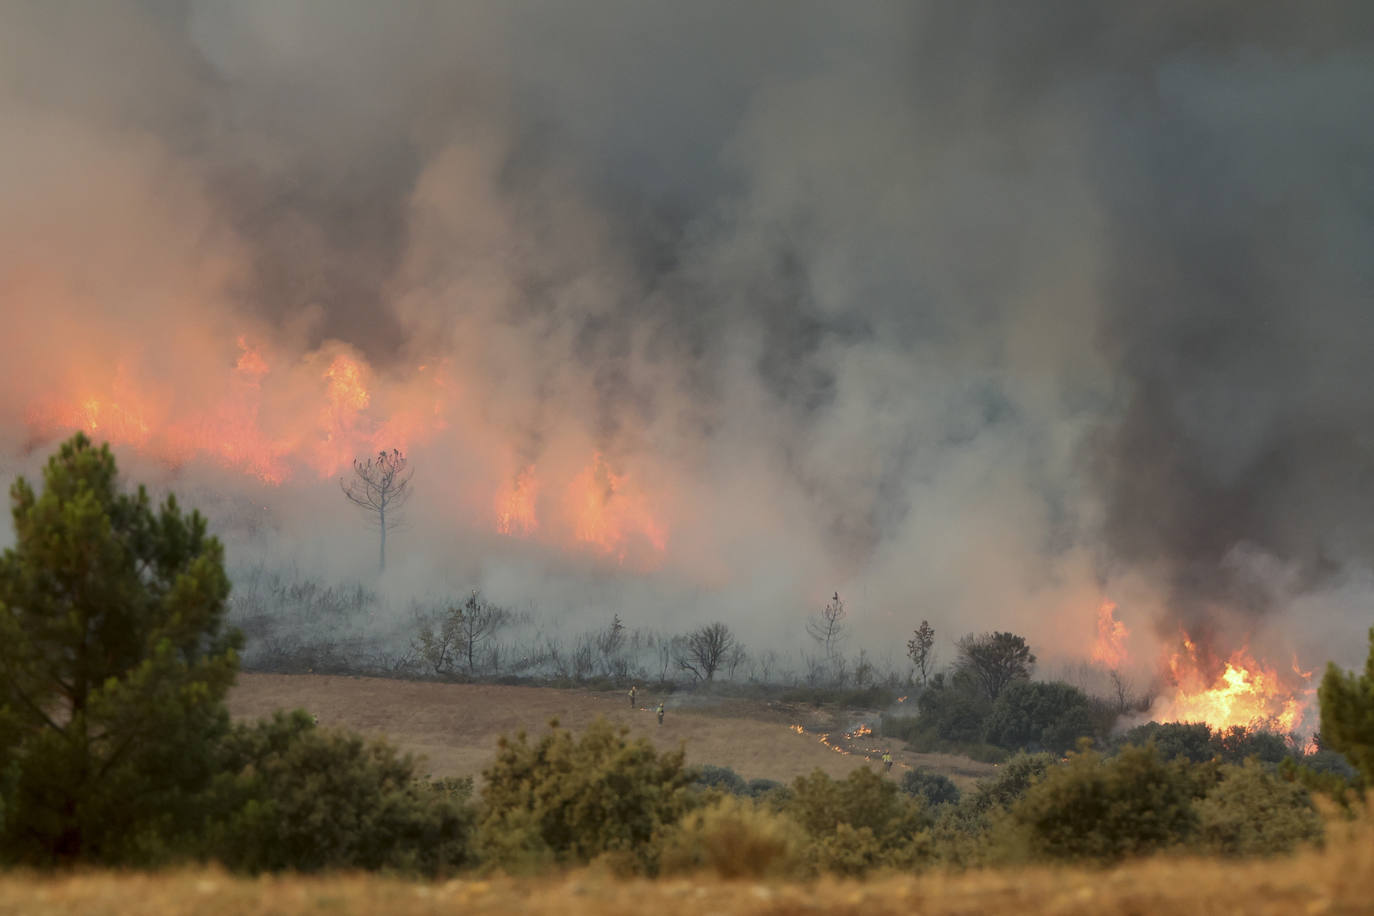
(1201, 685)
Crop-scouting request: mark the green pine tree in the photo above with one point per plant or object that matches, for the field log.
(114, 665)
(1347, 702)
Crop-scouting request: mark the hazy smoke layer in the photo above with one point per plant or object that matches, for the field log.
(975, 312)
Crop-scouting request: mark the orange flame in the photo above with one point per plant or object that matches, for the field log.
(515, 513)
(259, 414)
(1239, 691)
(609, 514)
(1109, 649)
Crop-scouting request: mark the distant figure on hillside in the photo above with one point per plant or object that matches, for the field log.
(634, 690)
(887, 761)
(659, 711)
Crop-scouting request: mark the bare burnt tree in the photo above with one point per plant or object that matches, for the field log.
(381, 486)
(459, 633)
(704, 650)
(920, 648)
(829, 627)
(1122, 695)
(609, 645)
(994, 660)
(476, 622)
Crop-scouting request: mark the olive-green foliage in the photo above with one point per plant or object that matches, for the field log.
(954, 709)
(1196, 742)
(1251, 811)
(994, 660)
(297, 797)
(1347, 702)
(934, 788)
(1238, 744)
(1190, 740)
(735, 838)
(1039, 715)
(1011, 783)
(724, 779)
(964, 831)
(1105, 809)
(859, 822)
(567, 801)
(1325, 773)
(114, 664)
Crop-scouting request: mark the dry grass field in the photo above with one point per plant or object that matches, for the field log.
(456, 726)
(1337, 881)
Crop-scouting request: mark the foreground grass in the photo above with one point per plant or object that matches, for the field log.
(1339, 879)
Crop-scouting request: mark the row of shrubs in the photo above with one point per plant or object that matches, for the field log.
(955, 714)
(294, 796)
(1090, 807)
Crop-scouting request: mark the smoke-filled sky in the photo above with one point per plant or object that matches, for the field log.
(979, 312)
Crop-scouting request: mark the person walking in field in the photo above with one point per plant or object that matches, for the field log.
(887, 761)
(658, 710)
(634, 689)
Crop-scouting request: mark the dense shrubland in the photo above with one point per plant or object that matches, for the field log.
(116, 748)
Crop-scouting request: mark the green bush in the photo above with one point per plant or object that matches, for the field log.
(954, 710)
(1347, 702)
(1039, 715)
(849, 697)
(734, 838)
(923, 738)
(863, 811)
(932, 788)
(963, 833)
(306, 799)
(1251, 811)
(565, 801)
(722, 779)
(1190, 740)
(1239, 743)
(1104, 809)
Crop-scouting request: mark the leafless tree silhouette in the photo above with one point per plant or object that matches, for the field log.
(705, 649)
(829, 628)
(380, 485)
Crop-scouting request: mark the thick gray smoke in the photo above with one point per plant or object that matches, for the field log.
(975, 312)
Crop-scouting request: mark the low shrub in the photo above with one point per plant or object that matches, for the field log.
(1252, 811)
(859, 822)
(1104, 809)
(296, 797)
(922, 739)
(562, 800)
(933, 788)
(734, 838)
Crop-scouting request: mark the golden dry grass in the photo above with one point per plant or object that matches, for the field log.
(455, 726)
(1337, 881)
